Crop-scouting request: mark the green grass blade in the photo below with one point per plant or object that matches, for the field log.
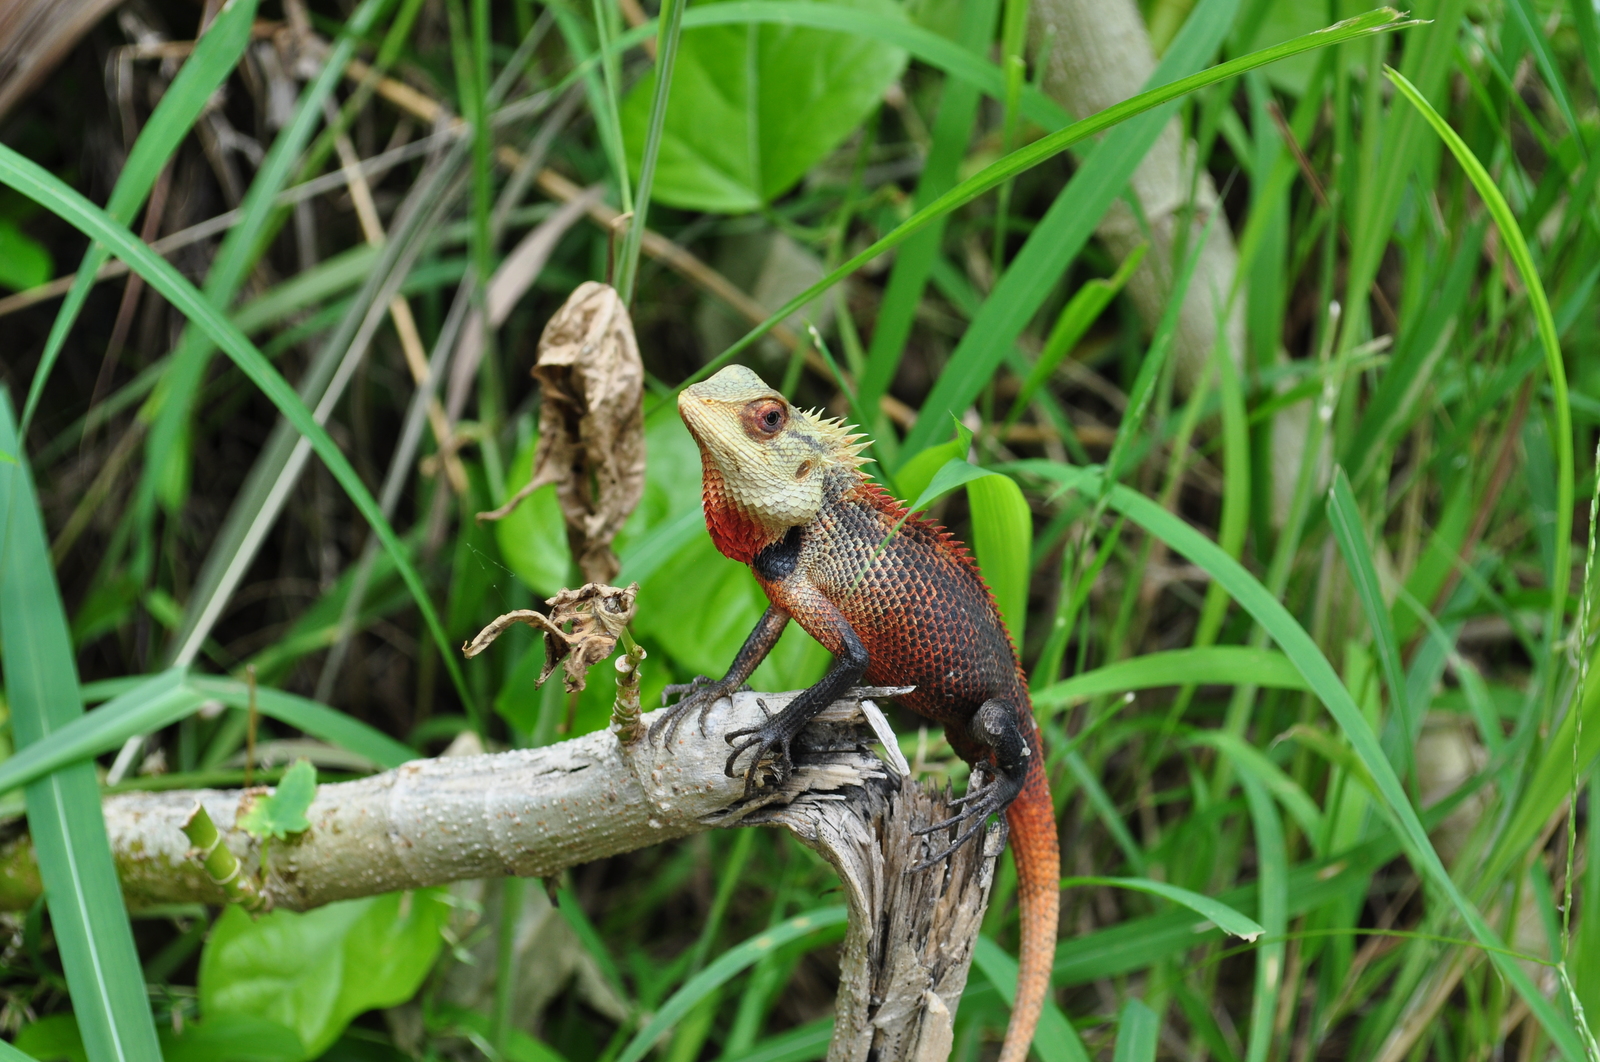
(1273, 889)
(318, 720)
(1522, 15)
(1138, 1028)
(1061, 234)
(39, 185)
(1250, 760)
(1155, 359)
(1221, 665)
(1023, 159)
(239, 251)
(1054, 1040)
(1345, 519)
(1081, 311)
(11, 1054)
(215, 56)
(1227, 919)
(718, 973)
(671, 31)
(1298, 646)
(952, 131)
(69, 835)
(1517, 247)
(156, 702)
(807, 1043)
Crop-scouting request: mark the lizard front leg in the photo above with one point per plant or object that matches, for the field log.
(776, 734)
(702, 693)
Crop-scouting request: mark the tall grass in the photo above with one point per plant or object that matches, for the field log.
(1307, 640)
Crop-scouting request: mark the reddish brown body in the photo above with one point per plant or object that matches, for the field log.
(899, 602)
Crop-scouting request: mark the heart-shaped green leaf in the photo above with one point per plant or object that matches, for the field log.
(753, 107)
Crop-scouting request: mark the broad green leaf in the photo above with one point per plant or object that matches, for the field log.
(956, 472)
(64, 819)
(214, 57)
(51, 1038)
(728, 964)
(24, 263)
(313, 972)
(533, 539)
(1138, 1028)
(282, 813)
(753, 107)
(1226, 918)
(701, 606)
(1002, 540)
(913, 478)
(1054, 1039)
(39, 185)
(1214, 665)
(232, 1038)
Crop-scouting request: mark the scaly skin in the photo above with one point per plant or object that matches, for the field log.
(898, 601)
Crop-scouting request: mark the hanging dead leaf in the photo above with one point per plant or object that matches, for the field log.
(591, 424)
(582, 629)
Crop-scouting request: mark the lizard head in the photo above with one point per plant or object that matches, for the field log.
(766, 463)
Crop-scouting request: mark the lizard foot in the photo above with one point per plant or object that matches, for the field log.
(771, 741)
(700, 695)
(992, 798)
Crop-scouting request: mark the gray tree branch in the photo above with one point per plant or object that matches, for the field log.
(534, 812)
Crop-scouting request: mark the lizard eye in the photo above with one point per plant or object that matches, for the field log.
(765, 418)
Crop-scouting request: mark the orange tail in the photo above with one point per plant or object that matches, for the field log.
(1032, 820)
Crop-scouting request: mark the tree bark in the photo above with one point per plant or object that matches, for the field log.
(534, 812)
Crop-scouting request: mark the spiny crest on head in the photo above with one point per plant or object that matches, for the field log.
(845, 443)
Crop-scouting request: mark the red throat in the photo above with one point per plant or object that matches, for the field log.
(736, 535)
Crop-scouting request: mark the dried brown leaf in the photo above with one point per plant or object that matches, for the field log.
(591, 424)
(582, 629)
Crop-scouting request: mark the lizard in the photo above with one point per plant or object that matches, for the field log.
(897, 600)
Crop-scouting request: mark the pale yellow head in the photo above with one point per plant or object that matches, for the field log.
(771, 458)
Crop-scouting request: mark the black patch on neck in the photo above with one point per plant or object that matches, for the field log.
(777, 562)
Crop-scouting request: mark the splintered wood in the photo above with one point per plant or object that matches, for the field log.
(911, 934)
(591, 425)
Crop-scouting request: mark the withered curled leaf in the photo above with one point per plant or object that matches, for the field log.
(582, 629)
(591, 425)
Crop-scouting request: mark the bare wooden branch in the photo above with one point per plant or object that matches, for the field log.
(534, 812)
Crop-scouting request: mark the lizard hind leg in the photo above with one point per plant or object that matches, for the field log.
(994, 726)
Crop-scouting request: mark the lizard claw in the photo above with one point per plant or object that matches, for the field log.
(770, 737)
(700, 693)
(976, 806)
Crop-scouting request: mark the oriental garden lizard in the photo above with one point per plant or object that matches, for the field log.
(898, 601)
